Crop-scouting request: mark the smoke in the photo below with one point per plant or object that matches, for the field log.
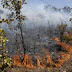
(44, 15)
(50, 14)
(1, 11)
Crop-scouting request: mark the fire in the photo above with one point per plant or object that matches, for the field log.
(67, 47)
(16, 60)
(45, 61)
(27, 61)
(64, 56)
(56, 39)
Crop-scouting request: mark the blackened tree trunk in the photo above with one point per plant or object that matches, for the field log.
(22, 39)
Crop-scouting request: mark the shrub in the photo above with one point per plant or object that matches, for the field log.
(4, 61)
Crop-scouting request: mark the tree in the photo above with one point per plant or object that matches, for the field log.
(3, 53)
(15, 7)
(62, 29)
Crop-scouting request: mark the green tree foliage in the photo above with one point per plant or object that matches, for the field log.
(15, 7)
(68, 36)
(4, 61)
(62, 29)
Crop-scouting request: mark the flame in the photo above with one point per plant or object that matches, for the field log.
(44, 61)
(67, 47)
(56, 39)
(16, 60)
(64, 56)
(27, 61)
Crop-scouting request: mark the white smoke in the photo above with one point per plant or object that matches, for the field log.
(51, 15)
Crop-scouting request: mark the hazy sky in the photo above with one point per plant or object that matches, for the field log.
(57, 3)
(37, 4)
(35, 7)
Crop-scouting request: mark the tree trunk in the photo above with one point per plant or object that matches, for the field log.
(22, 39)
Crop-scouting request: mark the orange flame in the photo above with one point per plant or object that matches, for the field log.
(45, 61)
(16, 60)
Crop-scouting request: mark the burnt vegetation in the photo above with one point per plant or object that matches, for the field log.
(39, 46)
